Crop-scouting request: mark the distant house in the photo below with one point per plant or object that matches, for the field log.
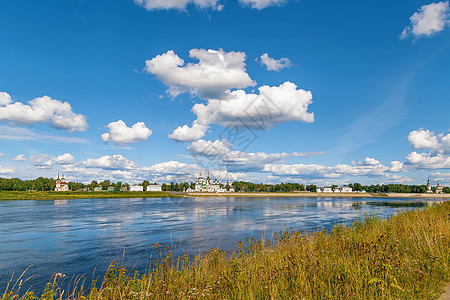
(439, 188)
(136, 188)
(111, 189)
(346, 189)
(336, 190)
(154, 188)
(97, 189)
(327, 190)
(124, 189)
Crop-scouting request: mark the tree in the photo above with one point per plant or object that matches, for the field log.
(145, 184)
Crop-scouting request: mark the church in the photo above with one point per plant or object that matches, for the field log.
(439, 189)
(210, 186)
(61, 184)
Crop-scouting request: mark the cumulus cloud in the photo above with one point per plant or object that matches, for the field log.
(6, 170)
(42, 110)
(331, 172)
(220, 153)
(45, 161)
(41, 161)
(428, 161)
(209, 148)
(179, 4)
(173, 168)
(121, 135)
(272, 64)
(188, 134)
(5, 98)
(65, 159)
(396, 166)
(261, 4)
(215, 72)
(273, 105)
(20, 157)
(368, 161)
(429, 19)
(426, 139)
(111, 162)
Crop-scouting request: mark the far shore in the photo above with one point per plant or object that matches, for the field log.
(313, 194)
(25, 195)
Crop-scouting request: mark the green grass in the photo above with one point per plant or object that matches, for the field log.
(404, 257)
(6, 195)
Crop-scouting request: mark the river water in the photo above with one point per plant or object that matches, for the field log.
(74, 237)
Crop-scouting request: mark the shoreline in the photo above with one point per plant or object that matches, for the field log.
(322, 195)
(22, 195)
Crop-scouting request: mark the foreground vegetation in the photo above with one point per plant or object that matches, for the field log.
(23, 195)
(404, 257)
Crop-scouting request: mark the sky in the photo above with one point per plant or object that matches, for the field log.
(315, 92)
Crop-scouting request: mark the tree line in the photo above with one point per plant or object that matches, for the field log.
(49, 184)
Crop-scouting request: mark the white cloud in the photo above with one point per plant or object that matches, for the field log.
(428, 161)
(120, 134)
(173, 168)
(221, 154)
(65, 159)
(426, 139)
(2, 154)
(209, 148)
(5, 98)
(368, 161)
(41, 161)
(179, 4)
(215, 73)
(430, 18)
(42, 110)
(274, 64)
(20, 157)
(273, 105)
(111, 162)
(261, 4)
(6, 170)
(396, 166)
(189, 134)
(320, 171)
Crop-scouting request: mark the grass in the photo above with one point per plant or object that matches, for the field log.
(403, 257)
(6, 195)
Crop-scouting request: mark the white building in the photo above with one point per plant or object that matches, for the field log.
(346, 189)
(136, 188)
(154, 188)
(61, 184)
(210, 186)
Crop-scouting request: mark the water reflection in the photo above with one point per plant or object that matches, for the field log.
(75, 236)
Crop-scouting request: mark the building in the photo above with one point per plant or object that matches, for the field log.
(61, 184)
(439, 188)
(136, 188)
(124, 189)
(207, 185)
(324, 190)
(429, 189)
(346, 189)
(154, 188)
(98, 189)
(111, 189)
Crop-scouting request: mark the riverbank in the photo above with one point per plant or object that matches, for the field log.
(313, 194)
(6, 195)
(404, 257)
(25, 195)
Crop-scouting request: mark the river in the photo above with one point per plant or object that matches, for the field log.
(74, 237)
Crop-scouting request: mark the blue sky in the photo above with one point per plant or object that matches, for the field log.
(354, 91)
